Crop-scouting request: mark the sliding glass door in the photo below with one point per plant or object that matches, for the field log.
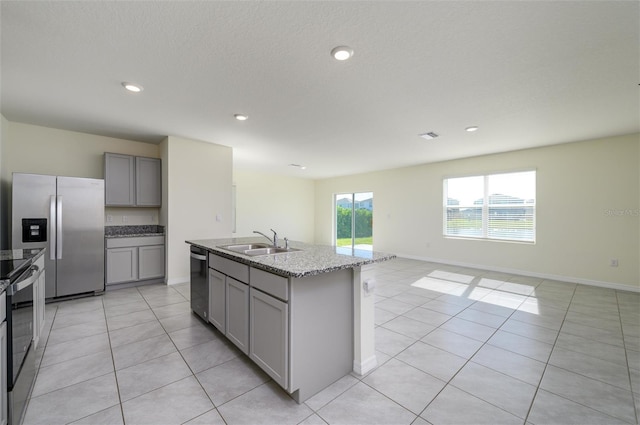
(354, 220)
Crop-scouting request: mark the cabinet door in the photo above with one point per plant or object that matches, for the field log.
(122, 265)
(148, 182)
(217, 300)
(238, 313)
(41, 302)
(4, 411)
(38, 304)
(150, 261)
(119, 180)
(268, 335)
(36, 308)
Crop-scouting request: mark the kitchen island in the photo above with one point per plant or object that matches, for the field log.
(304, 316)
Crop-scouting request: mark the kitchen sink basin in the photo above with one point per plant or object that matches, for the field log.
(241, 248)
(255, 249)
(268, 251)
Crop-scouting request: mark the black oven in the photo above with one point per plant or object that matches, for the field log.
(21, 367)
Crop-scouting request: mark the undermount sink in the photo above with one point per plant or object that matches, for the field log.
(241, 248)
(256, 249)
(268, 251)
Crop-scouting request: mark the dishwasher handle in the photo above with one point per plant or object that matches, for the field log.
(199, 257)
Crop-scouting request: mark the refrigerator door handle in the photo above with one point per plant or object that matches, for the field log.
(59, 227)
(52, 233)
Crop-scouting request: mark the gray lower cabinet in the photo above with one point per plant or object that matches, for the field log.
(298, 330)
(229, 299)
(269, 339)
(4, 412)
(217, 300)
(238, 313)
(150, 261)
(134, 259)
(38, 302)
(122, 265)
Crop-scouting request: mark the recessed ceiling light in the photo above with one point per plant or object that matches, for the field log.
(471, 129)
(342, 53)
(241, 117)
(302, 167)
(135, 88)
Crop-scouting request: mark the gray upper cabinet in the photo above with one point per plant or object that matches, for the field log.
(132, 181)
(148, 182)
(119, 177)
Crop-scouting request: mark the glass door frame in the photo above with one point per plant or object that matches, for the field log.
(353, 201)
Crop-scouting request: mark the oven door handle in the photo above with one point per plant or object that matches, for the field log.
(198, 257)
(34, 274)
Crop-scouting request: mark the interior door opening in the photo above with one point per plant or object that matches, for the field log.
(354, 220)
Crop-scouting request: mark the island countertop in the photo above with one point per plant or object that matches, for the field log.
(310, 260)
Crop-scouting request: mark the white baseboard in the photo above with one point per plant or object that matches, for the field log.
(572, 279)
(176, 280)
(366, 366)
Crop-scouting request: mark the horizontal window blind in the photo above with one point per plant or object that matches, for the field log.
(496, 206)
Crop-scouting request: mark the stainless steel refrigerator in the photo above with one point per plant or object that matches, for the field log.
(66, 216)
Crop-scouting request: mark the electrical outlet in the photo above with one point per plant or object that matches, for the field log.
(124, 218)
(109, 218)
(613, 262)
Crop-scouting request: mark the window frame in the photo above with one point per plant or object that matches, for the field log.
(486, 206)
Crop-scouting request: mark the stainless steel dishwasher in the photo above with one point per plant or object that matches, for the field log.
(199, 283)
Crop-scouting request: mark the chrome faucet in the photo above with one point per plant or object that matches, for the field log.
(275, 237)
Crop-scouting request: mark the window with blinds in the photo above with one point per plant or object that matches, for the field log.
(495, 206)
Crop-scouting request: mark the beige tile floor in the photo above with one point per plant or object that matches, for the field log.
(454, 345)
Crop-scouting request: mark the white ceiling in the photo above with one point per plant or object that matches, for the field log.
(528, 73)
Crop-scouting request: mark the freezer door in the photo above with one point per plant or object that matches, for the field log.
(32, 196)
(80, 231)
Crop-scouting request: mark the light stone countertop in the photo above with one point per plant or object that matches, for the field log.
(310, 260)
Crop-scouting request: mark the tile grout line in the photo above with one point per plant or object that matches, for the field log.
(449, 382)
(626, 356)
(113, 362)
(535, 394)
(193, 374)
(573, 302)
(576, 373)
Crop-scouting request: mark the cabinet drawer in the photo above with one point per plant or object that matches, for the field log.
(231, 268)
(135, 241)
(270, 283)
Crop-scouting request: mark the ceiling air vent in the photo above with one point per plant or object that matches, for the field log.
(430, 135)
